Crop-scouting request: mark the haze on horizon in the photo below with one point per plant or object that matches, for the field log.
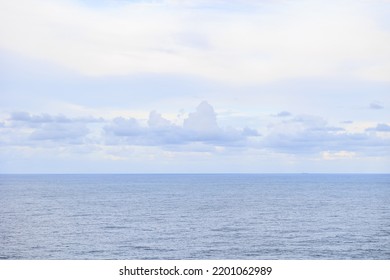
(164, 86)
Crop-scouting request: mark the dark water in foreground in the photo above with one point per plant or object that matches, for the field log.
(302, 216)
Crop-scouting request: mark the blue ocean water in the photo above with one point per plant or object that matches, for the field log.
(236, 216)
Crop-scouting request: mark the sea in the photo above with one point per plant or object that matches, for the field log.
(195, 216)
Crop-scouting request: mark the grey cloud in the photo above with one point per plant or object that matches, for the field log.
(23, 128)
(71, 133)
(310, 121)
(314, 123)
(283, 114)
(327, 129)
(381, 127)
(250, 132)
(129, 131)
(124, 127)
(47, 118)
(306, 142)
(376, 106)
(313, 135)
(43, 118)
(20, 116)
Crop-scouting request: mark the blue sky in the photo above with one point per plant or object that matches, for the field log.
(194, 86)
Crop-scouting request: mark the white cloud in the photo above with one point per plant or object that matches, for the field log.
(157, 121)
(199, 127)
(241, 45)
(203, 121)
(327, 155)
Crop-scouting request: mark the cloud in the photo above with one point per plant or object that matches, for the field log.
(43, 118)
(283, 114)
(337, 155)
(250, 132)
(23, 129)
(196, 140)
(60, 132)
(237, 43)
(376, 106)
(199, 127)
(302, 134)
(157, 121)
(47, 118)
(312, 135)
(124, 127)
(381, 127)
(299, 136)
(203, 121)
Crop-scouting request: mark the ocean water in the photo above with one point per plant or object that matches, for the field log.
(296, 216)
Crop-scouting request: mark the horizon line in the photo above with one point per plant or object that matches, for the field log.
(202, 173)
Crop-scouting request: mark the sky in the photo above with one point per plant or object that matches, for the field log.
(193, 86)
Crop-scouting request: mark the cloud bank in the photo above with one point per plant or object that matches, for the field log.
(295, 135)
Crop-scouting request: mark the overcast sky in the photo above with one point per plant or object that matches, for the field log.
(130, 86)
